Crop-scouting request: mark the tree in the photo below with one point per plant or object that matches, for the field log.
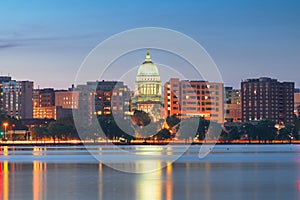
(140, 118)
(163, 134)
(12, 121)
(214, 130)
(231, 134)
(287, 133)
(116, 127)
(58, 131)
(188, 128)
(266, 130)
(106, 123)
(150, 130)
(172, 120)
(202, 128)
(69, 125)
(250, 131)
(122, 128)
(39, 132)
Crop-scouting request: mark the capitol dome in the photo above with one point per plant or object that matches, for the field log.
(148, 68)
(148, 86)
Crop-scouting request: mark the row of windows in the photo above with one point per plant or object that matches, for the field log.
(202, 86)
(198, 109)
(265, 113)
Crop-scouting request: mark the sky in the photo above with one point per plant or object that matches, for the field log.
(46, 41)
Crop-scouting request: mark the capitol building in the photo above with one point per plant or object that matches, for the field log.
(148, 89)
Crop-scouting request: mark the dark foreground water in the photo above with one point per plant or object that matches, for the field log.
(230, 172)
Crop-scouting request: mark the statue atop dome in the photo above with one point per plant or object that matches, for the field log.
(148, 57)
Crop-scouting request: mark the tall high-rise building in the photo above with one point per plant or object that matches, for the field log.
(266, 98)
(194, 98)
(233, 106)
(3, 79)
(86, 104)
(17, 98)
(297, 102)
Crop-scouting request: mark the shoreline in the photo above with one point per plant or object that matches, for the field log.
(150, 143)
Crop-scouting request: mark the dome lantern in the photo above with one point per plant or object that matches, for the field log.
(148, 58)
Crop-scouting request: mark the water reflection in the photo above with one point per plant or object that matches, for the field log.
(298, 182)
(254, 179)
(169, 183)
(100, 181)
(150, 185)
(139, 159)
(4, 150)
(39, 180)
(5, 180)
(38, 151)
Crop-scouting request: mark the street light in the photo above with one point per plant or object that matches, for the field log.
(5, 124)
(14, 131)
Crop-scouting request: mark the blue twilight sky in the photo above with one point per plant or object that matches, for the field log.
(46, 41)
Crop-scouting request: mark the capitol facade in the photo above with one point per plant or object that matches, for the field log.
(148, 89)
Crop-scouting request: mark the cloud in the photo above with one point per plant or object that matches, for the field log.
(16, 42)
(8, 45)
(51, 38)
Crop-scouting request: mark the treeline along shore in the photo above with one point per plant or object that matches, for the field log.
(141, 131)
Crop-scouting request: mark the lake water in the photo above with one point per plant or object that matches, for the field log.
(72, 172)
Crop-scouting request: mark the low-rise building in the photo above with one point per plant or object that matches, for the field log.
(233, 106)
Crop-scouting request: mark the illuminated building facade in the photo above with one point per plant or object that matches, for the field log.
(103, 98)
(148, 89)
(194, 98)
(233, 106)
(111, 97)
(17, 99)
(266, 98)
(297, 102)
(54, 104)
(3, 79)
(44, 103)
(67, 99)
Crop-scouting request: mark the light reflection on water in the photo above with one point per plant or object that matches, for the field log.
(39, 180)
(275, 177)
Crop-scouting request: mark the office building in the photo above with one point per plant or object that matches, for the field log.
(67, 99)
(44, 103)
(297, 102)
(233, 106)
(266, 98)
(103, 98)
(194, 98)
(17, 99)
(3, 79)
